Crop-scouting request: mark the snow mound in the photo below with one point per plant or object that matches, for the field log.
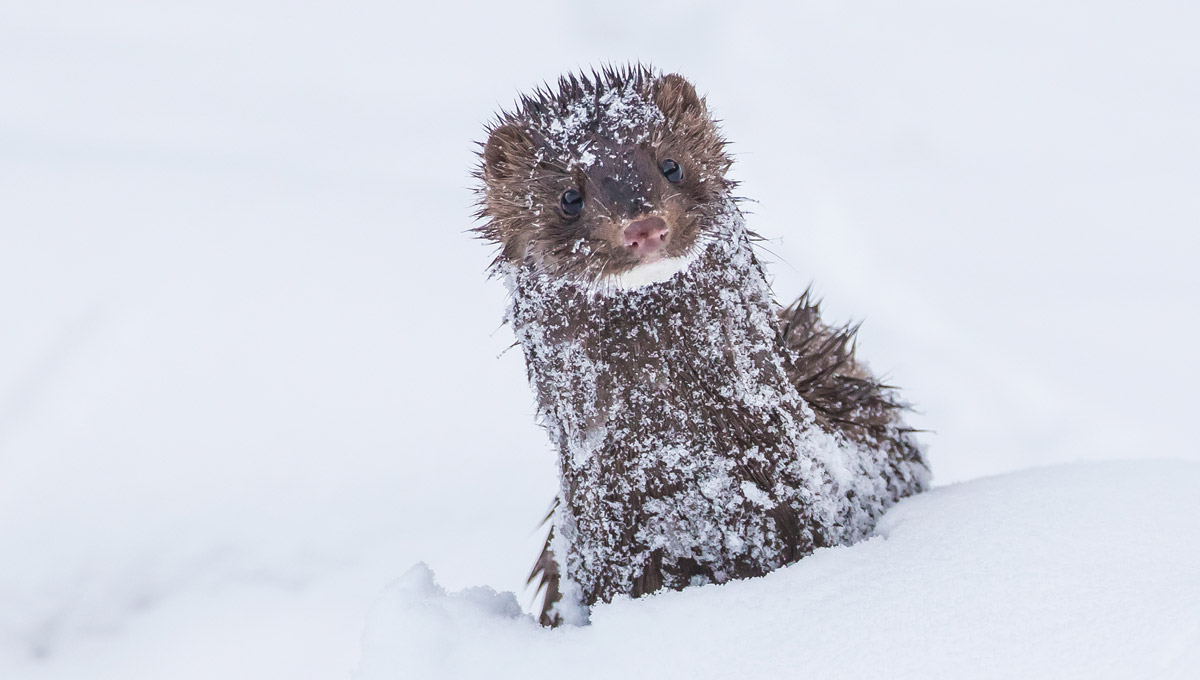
(1080, 571)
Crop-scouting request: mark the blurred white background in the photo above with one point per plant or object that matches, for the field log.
(248, 352)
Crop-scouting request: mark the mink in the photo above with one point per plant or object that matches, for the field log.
(703, 433)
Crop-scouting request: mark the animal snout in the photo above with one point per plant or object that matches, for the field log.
(646, 235)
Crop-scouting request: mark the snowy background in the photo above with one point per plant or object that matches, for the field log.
(248, 355)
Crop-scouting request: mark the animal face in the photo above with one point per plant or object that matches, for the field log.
(608, 179)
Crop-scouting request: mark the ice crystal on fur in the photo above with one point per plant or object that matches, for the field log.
(702, 433)
(687, 455)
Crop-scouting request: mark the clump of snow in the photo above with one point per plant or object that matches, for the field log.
(435, 626)
(1003, 577)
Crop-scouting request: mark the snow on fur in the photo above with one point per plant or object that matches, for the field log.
(687, 456)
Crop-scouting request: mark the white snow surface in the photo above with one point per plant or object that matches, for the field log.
(1005, 577)
(248, 354)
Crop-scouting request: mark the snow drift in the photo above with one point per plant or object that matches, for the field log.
(1005, 577)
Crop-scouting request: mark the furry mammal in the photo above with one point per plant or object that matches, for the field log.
(702, 433)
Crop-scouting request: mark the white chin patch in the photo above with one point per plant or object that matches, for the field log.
(651, 272)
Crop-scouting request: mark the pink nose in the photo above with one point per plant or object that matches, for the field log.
(646, 235)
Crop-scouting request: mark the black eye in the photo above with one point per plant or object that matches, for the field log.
(571, 203)
(672, 171)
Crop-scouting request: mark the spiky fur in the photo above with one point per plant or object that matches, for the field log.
(809, 366)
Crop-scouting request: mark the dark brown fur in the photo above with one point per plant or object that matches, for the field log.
(523, 175)
(843, 394)
(519, 161)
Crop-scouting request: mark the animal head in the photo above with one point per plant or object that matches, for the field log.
(613, 177)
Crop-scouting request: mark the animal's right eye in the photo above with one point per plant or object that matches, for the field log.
(571, 203)
(672, 171)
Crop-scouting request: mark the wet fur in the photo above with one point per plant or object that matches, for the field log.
(522, 176)
(523, 173)
(821, 365)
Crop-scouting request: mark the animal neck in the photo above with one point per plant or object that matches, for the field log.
(671, 351)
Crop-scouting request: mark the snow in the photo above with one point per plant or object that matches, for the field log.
(1004, 577)
(248, 370)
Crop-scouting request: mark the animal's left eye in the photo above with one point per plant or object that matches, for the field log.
(672, 171)
(571, 203)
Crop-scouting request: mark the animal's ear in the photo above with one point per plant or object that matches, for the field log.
(677, 97)
(508, 148)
